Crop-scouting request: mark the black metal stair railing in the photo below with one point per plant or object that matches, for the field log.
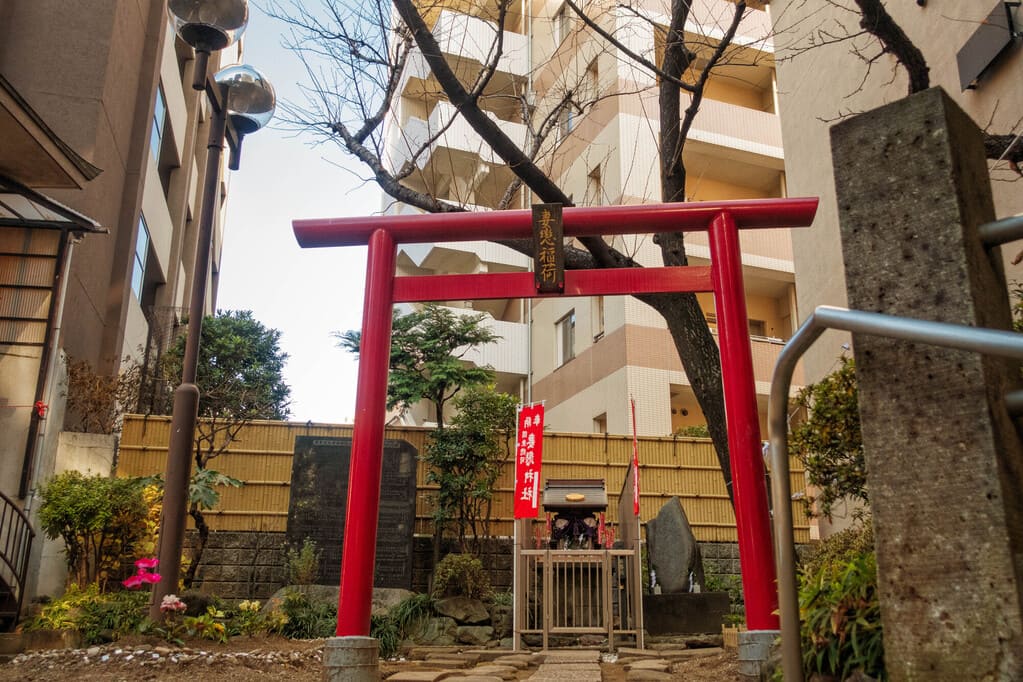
(16, 536)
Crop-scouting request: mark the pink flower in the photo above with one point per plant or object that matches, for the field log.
(149, 563)
(133, 582)
(151, 578)
(171, 603)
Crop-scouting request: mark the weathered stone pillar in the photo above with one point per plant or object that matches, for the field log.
(944, 462)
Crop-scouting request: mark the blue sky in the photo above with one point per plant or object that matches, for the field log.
(306, 293)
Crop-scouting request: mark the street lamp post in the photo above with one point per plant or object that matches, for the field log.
(241, 102)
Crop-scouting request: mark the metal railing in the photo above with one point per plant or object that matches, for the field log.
(962, 337)
(15, 547)
(577, 592)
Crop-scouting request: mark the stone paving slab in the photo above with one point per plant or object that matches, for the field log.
(476, 678)
(419, 676)
(421, 652)
(449, 662)
(648, 664)
(557, 675)
(582, 656)
(505, 672)
(646, 676)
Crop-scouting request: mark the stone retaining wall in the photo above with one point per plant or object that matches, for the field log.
(253, 565)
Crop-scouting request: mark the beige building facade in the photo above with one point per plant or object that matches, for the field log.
(108, 86)
(585, 357)
(818, 86)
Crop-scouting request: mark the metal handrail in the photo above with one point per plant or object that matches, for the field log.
(16, 536)
(987, 341)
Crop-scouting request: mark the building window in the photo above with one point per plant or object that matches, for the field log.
(757, 327)
(597, 316)
(600, 423)
(566, 120)
(138, 270)
(562, 24)
(592, 83)
(159, 124)
(564, 335)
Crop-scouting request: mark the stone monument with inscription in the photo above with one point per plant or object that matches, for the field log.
(319, 495)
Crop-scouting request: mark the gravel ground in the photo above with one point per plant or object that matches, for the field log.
(256, 659)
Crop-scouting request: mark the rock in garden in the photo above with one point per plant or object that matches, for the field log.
(463, 609)
(672, 549)
(386, 598)
(439, 632)
(477, 635)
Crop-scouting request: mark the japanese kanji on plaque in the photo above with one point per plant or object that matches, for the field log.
(528, 455)
(548, 249)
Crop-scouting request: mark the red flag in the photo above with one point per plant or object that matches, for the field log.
(635, 461)
(528, 459)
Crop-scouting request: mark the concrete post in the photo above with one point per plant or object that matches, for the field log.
(351, 659)
(945, 465)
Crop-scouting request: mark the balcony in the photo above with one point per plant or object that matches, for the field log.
(509, 355)
(458, 139)
(457, 163)
(733, 127)
(467, 42)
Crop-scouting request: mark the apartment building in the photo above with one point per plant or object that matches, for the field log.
(103, 91)
(972, 53)
(586, 357)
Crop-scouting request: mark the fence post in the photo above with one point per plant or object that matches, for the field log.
(943, 456)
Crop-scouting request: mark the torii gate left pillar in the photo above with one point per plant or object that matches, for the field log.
(721, 220)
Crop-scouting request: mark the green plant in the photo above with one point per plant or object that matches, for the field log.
(694, 431)
(841, 627)
(97, 616)
(385, 631)
(841, 619)
(840, 547)
(303, 564)
(829, 442)
(240, 378)
(462, 575)
(208, 625)
(466, 459)
(99, 518)
(505, 598)
(409, 614)
(305, 618)
(247, 619)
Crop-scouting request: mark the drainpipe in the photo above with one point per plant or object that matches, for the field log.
(47, 368)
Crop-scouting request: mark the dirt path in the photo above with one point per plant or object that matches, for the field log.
(270, 659)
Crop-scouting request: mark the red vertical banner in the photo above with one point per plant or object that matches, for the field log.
(635, 461)
(528, 459)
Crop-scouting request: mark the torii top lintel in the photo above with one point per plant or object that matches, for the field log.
(578, 222)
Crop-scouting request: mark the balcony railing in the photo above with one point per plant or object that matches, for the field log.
(458, 137)
(730, 125)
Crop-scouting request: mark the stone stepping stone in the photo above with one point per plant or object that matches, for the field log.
(476, 678)
(421, 652)
(646, 675)
(449, 662)
(519, 661)
(585, 656)
(649, 664)
(419, 676)
(505, 672)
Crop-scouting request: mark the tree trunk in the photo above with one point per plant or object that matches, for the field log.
(204, 536)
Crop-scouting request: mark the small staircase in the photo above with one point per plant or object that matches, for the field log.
(16, 536)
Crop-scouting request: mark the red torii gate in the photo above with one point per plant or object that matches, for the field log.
(722, 220)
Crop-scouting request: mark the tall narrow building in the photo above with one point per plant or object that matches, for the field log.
(585, 357)
(103, 91)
